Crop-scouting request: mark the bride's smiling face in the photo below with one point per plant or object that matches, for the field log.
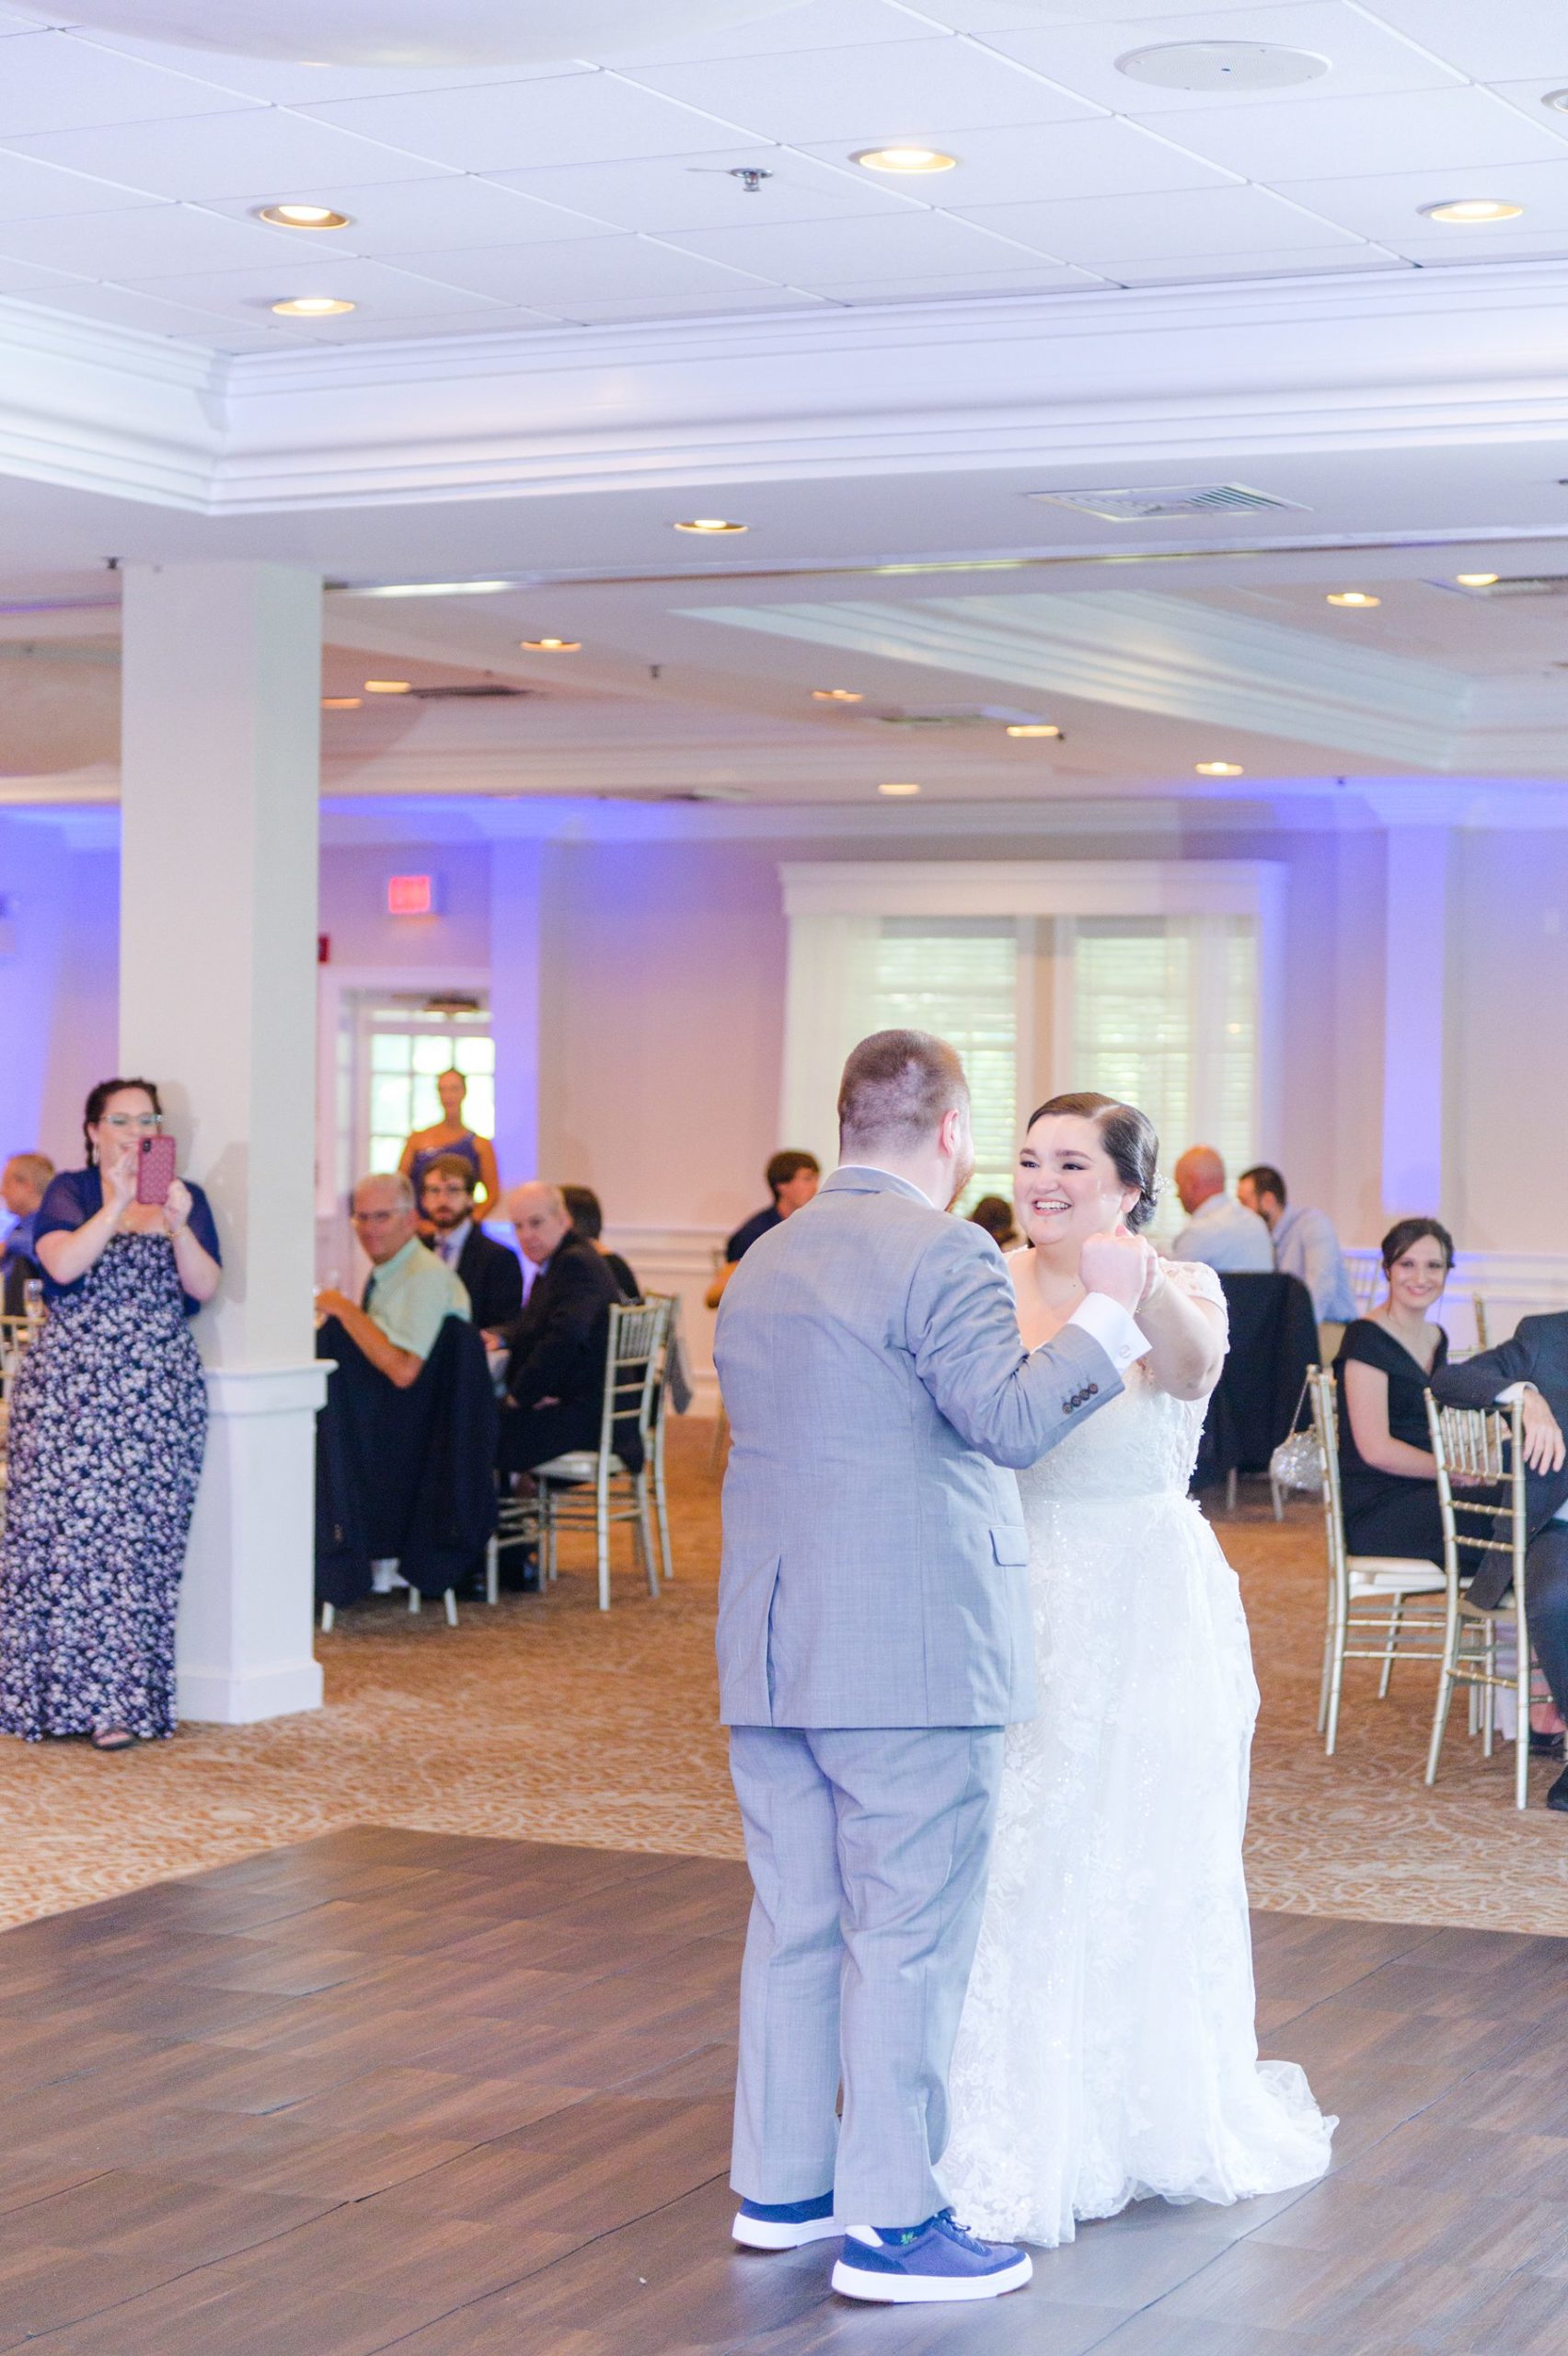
(1067, 1186)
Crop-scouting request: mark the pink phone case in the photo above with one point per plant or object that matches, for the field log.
(154, 1170)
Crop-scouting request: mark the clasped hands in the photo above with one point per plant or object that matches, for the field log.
(1124, 1266)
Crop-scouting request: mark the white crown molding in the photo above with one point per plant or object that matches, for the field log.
(1382, 359)
(998, 887)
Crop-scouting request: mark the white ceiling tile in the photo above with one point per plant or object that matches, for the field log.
(1443, 131)
(390, 293)
(1102, 158)
(762, 304)
(608, 270)
(282, 82)
(1530, 97)
(151, 314)
(1498, 44)
(911, 245)
(262, 153)
(426, 216)
(34, 191)
(664, 194)
(1196, 270)
(894, 90)
(142, 243)
(575, 119)
(1091, 230)
(818, 25)
(1387, 207)
(1362, 57)
(22, 277)
(52, 82)
(1041, 278)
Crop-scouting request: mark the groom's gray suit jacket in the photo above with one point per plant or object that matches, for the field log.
(874, 1562)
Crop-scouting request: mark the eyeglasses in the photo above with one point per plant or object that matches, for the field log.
(131, 1121)
(376, 1218)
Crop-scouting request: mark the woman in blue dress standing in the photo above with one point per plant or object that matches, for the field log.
(109, 1421)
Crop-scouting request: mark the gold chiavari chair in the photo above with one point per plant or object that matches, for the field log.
(592, 1489)
(1482, 1445)
(1375, 1596)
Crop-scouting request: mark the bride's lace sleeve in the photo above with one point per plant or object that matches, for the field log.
(1198, 1281)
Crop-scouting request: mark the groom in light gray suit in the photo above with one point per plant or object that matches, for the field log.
(874, 1639)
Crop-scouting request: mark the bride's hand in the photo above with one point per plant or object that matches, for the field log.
(1118, 1266)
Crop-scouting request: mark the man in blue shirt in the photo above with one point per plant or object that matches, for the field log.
(24, 1182)
(1305, 1244)
(793, 1178)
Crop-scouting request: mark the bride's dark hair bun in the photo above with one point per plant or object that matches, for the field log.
(1129, 1139)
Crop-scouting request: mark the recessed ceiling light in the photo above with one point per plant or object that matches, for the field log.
(1461, 211)
(1218, 769)
(711, 524)
(899, 790)
(1557, 101)
(388, 687)
(312, 306)
(1475, 580)
(1221, 66)
(302, 216)
(836, 695)
(1352, 597)
(904, 159)
(550, 645)
(342, 704)
(1033, 728)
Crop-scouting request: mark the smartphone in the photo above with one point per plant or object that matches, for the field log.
(155, 1168)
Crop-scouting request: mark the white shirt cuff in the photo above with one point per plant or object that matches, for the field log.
(1515, 1391)
(1114, 1327)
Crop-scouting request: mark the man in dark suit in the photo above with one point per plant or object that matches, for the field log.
(555, 1371)
(1534, 1365)
(489, 1274)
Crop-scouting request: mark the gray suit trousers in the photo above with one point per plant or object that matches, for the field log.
(867, 1852)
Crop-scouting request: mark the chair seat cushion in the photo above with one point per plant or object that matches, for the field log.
(1392, 1575)
(577, 1464)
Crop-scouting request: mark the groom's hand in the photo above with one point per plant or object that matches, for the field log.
(1117, 1265)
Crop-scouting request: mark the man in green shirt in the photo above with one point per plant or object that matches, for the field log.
(410, 1293)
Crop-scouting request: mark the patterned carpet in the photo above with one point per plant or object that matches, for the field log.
(544, 1720)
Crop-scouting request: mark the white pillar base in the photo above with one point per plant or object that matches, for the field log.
(247, 1607)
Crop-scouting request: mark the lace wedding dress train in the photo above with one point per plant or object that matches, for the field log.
(1107, 2050)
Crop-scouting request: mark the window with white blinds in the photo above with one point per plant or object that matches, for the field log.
(960, 979)
(1164, 1014)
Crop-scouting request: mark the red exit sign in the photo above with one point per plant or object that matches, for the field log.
(410, 896)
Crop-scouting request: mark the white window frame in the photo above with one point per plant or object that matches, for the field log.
(1023, 890)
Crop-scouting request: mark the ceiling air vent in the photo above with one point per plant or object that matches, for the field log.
(1185, 499)
(951, 715)
(481, 691)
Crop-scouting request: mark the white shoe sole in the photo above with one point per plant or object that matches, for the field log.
(922, 2289)
(771, 2233)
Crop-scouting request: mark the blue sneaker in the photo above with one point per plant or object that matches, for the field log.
(784, 2224)
(936, 2260)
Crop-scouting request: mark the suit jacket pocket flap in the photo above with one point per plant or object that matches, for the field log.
(1010, 1544)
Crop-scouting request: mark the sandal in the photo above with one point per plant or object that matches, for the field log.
(113, 1739)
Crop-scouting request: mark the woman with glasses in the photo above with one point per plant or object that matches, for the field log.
(109, 1420)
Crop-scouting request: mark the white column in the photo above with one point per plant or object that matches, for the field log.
(220, 769)
(516, 904)
(1414, 944)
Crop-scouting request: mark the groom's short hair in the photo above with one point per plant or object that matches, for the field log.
(896, 1086)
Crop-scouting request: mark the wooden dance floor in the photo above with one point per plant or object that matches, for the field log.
(468, 2097)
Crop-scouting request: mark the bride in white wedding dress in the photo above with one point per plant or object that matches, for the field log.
(1107, 2050)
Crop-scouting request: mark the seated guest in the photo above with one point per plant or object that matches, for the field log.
(793, 1178)
(1388, 1473)
(410, 1295)
(1534, 1365)
(1305, 1244)
(1230, 1239)
(555, 1366)
(588, 1221)
(489, 1272)
(23, 1185)
(994, 1214)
